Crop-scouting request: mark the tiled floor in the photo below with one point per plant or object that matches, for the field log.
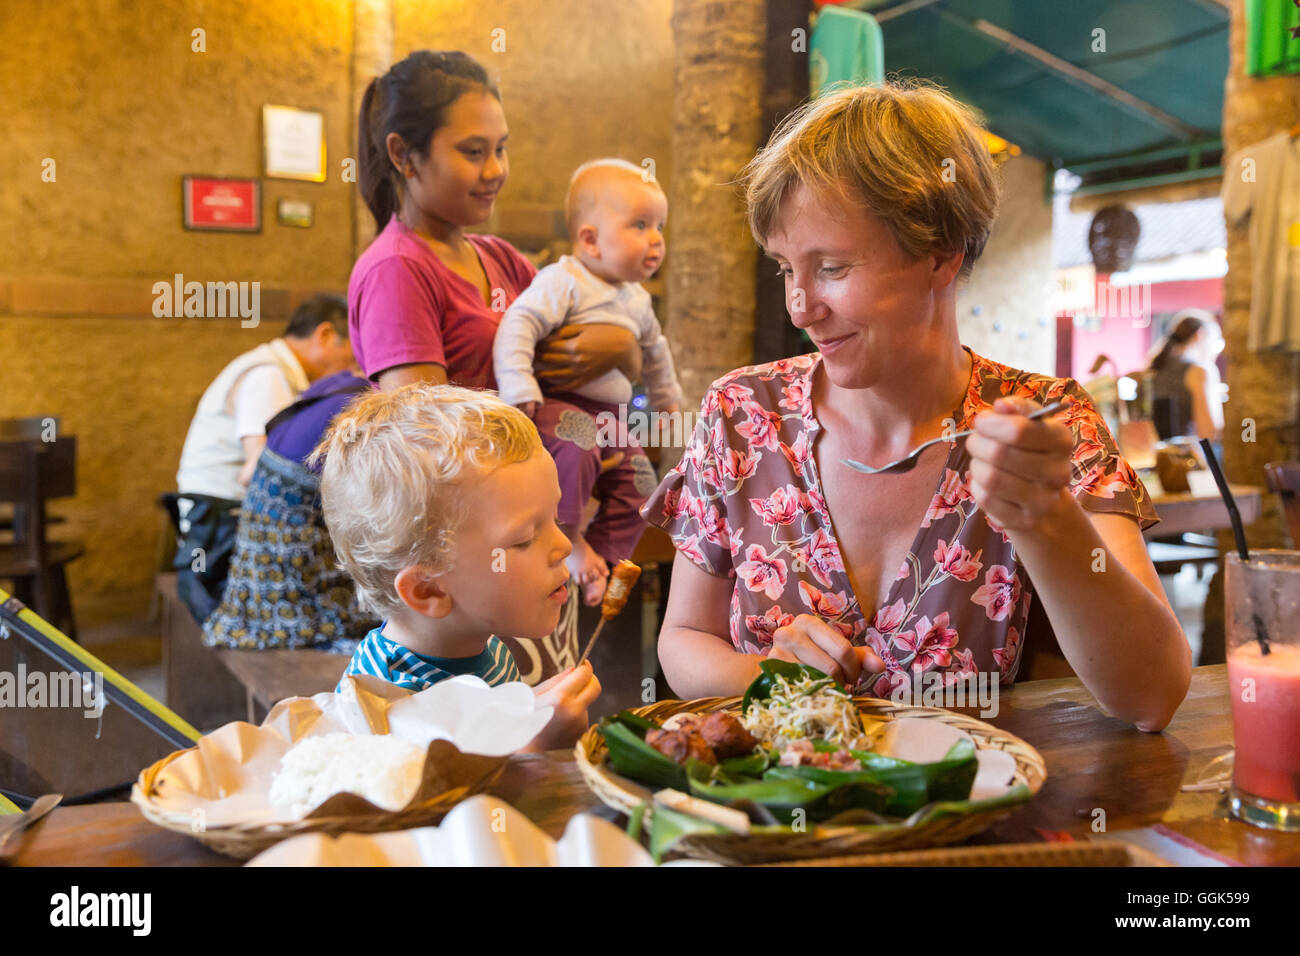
(133, 649)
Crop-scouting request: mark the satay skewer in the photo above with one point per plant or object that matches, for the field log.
(621, 581)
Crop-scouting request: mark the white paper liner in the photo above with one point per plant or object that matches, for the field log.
(226, 779)
(481, 831)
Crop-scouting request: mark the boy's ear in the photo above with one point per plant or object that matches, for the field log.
(587, 240)
(422, 592)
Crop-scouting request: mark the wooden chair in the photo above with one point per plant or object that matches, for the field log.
(1284, 479)
(35, 428)
(32, 472)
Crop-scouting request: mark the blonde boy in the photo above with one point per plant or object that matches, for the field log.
(441, 504)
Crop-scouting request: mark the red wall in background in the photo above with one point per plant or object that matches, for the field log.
(1126, 323)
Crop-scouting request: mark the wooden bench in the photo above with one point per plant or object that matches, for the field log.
(213, 687)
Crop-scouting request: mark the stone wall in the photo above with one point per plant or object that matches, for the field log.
(114, 92)
(717, 112)
(578, 80)
(1004, 312)
(1264, 389)
(117, 95)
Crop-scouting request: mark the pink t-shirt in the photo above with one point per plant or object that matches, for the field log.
(406, 306)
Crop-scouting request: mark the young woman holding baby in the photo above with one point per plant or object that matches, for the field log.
(426, 296)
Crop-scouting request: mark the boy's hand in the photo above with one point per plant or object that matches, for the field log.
(570, 692)
(529, 409)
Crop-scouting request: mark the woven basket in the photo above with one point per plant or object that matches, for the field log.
(777, 844)
(244, 841)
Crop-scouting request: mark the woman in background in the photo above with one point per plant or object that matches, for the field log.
(426, 296)
(1184, 379)
(285, 588)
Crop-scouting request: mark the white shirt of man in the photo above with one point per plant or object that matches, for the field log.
(247, 393)
(567, 293)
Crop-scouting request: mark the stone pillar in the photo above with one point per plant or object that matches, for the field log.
(1263, 387)
(372, 55)
(717, 119)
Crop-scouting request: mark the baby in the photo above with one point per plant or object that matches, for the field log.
(616, 225)
(441, 503)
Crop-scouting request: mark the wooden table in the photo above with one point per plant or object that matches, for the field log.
(1180, 512)
(1093, 761)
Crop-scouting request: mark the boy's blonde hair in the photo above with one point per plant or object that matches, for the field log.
(395, 463)
(588, 183)
(906, 152)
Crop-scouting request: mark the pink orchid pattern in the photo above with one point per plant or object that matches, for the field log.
(781, 507)
(745, 502)
(929, 644)
(763, 573)
(952, 492)
(963, 663)
(765, 626)
(762, 428)
(956, 560)
(999, 593)
(1008, 654)
(821, 556)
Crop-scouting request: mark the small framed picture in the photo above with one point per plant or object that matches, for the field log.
(295, 212)
(213, 203)
(293, 142)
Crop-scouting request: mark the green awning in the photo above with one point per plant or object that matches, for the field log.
(1113, 90)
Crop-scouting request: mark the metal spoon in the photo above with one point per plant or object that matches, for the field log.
(908, 461)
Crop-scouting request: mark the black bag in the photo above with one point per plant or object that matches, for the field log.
(203, 555)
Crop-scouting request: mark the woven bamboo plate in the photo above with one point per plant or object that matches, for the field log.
(767, 845)
(245, 841)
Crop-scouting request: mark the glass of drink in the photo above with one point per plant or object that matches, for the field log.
(1263, 601)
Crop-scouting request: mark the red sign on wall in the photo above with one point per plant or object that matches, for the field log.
(231, 205)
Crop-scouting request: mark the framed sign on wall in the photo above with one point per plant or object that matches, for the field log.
(219, 204)
(293, 143)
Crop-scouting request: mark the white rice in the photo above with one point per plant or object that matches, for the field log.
(383, 769)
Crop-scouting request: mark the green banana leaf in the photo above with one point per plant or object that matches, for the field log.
(669, 826)
(761, 687)
(910, 785)
(631, 756)
(636, 721)
(886, 786)
(948, 808)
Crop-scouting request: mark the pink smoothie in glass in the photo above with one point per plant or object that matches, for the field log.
(1266, 730)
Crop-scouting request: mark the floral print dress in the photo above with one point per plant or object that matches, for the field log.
(745, 502)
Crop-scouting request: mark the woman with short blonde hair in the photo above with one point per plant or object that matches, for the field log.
(873, 201)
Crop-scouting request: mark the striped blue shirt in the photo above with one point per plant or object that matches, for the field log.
(380, 657)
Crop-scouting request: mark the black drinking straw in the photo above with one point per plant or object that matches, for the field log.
(1237, 530)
